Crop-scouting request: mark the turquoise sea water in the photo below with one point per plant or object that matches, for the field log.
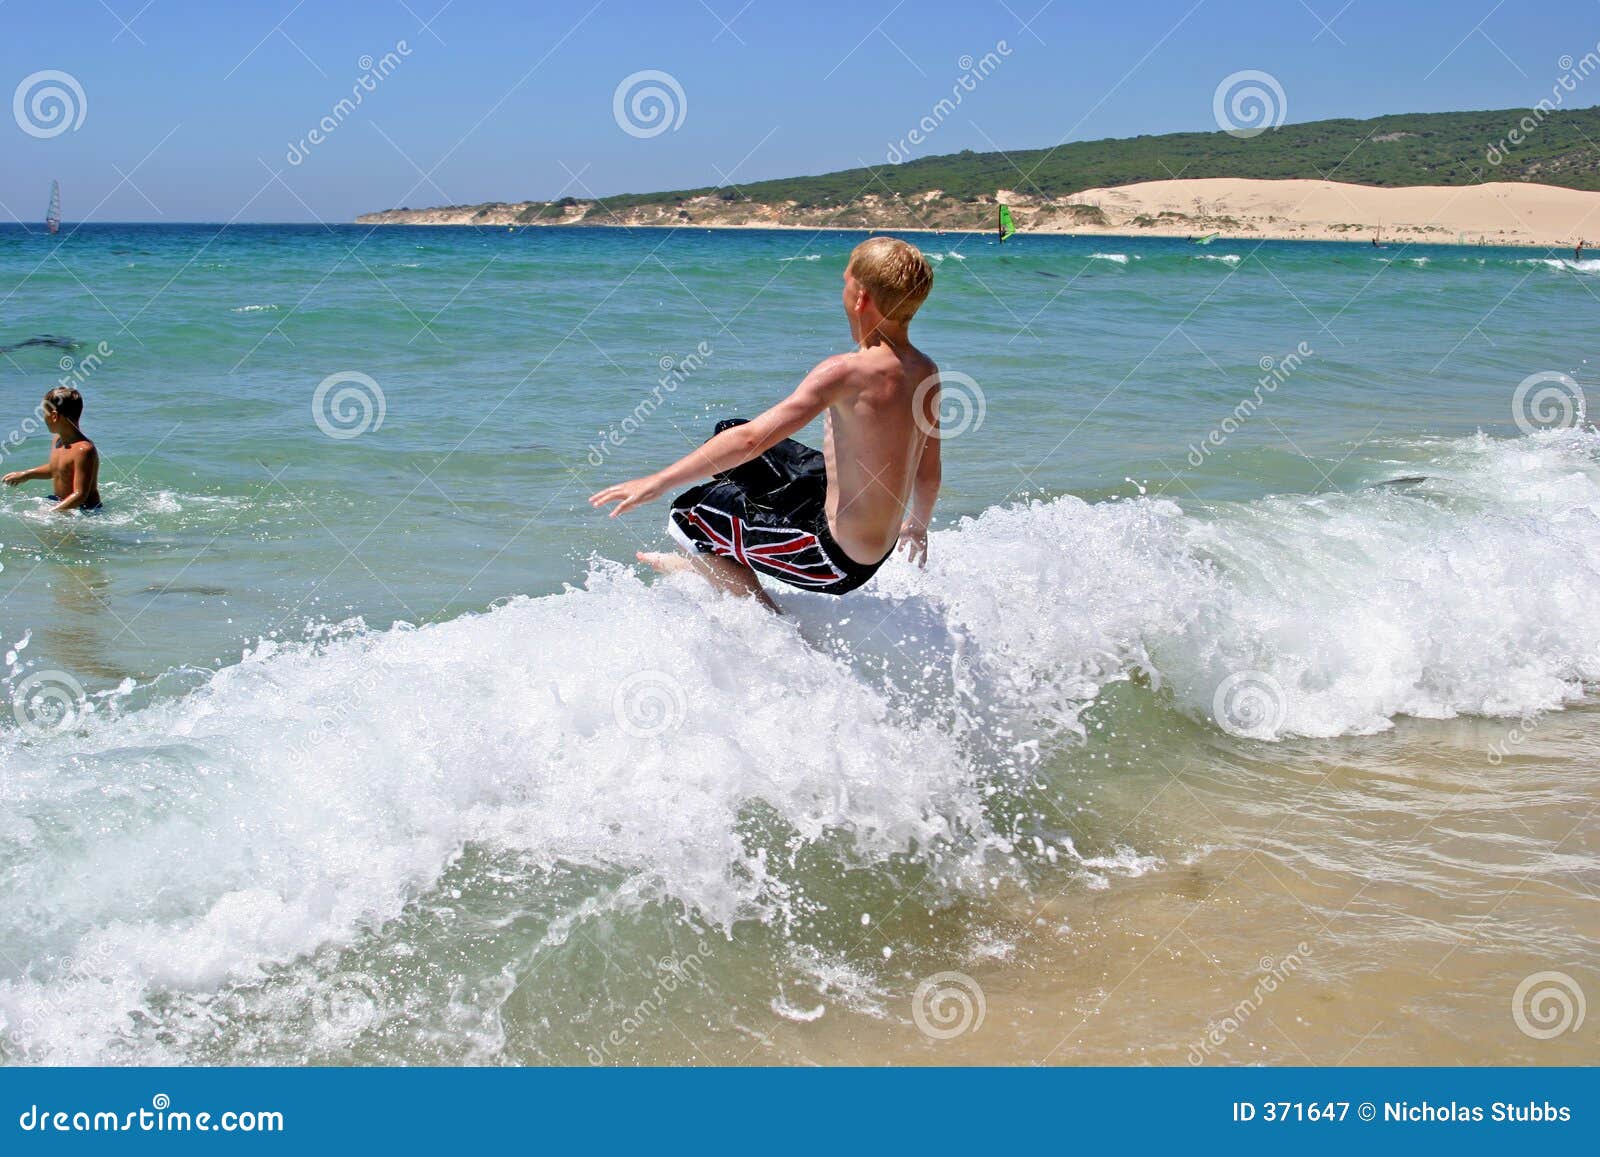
(347, 731)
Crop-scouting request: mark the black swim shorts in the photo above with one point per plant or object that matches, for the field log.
(771, 515)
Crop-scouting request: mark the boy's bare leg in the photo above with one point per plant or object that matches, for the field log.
(722, 573)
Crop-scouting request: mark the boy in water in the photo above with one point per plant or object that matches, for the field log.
(74, 466)
(821, 521)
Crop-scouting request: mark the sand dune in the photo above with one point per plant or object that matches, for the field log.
(1514, 213)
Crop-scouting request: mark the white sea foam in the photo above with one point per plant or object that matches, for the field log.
(267, 308)
(1119, 258)
(307, 794)
(1566, 265)
(1225, 258)
(1462, 595)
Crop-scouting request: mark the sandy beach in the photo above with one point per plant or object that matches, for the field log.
(1501, 213)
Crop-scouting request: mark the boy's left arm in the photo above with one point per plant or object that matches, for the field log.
(17, 477)
(736, 444)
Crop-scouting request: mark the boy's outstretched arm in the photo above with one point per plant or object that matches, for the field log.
(925, 487)
(737, 444)
(19, 476)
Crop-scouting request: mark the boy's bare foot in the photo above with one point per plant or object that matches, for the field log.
(663, 563)
(722, 573)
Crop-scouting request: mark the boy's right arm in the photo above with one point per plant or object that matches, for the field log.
(737, 444)
(925, 485)
(27, 475)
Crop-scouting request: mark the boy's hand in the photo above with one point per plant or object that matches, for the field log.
(914, 541)
(15, 477)
(627, 495)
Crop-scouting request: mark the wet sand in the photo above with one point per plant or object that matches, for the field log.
(1370, 901)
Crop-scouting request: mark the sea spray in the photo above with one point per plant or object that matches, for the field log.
(475, 776)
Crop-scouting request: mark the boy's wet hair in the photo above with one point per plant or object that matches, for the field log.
(895, 274)
(67, 402)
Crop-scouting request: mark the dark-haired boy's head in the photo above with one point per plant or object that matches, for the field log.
(66, 401)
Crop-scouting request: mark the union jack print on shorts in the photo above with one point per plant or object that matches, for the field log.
(785, 553)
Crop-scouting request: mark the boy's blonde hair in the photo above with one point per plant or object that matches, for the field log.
(896, 276)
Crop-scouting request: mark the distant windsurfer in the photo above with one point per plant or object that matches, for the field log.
(1577, 254)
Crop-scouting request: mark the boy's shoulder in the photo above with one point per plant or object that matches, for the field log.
(79, 449)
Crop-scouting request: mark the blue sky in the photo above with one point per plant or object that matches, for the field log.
(189, 109)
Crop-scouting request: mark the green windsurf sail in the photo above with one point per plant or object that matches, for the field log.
(1007, 226)
(1207, 239)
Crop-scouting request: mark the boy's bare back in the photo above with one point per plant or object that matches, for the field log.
(874, 444)
(75, 468)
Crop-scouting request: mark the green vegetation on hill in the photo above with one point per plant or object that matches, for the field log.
(1409, 149)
